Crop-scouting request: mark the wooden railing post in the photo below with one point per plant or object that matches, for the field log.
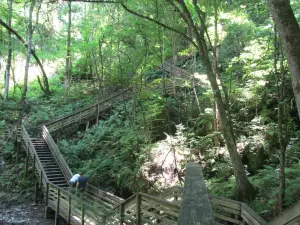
(82, 214)
(46, 194)
(57, 207)
(41, 179)
(34, 163)
(138, 209)
(26, 165)
(36, 191)
(122, 208)
(69, 210)
(175, 193)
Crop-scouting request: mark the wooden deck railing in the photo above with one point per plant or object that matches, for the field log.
(87, 112)
(56, 153)
(144, 209)
(225, 210)
(176, 71)
(290, 216)
(30, 151)
(74, 209)
(92, 208)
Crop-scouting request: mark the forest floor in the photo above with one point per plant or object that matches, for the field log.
(25, 212)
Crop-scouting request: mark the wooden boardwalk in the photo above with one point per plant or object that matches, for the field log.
(99, 207)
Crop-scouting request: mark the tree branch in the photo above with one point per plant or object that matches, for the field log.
(32, 52)
(159, 23)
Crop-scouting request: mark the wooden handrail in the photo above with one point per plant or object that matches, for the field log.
(33, 153)
(56, 153)
(91, 109)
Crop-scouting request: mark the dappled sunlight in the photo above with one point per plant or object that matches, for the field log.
(166, 159)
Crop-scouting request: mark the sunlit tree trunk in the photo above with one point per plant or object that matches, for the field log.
(28, 56)
(8, 63)
(289, 32)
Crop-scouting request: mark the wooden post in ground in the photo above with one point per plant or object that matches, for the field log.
(138, 209)
(34, 163)
(41, 180)
(36, 192)
(57, 207)
(69, 210)
(18, 146)
(46, 194)
(82, 214)
(26, 165)
(27, 159)
(122, 213)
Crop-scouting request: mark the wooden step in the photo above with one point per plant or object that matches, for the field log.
(54, 174)
(53, 179)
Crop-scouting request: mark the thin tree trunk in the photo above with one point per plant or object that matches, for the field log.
(289, 32)
(8, 64)
(215, 66)
(68, 74)
(45, 78)
(28, 56)
(281, 124)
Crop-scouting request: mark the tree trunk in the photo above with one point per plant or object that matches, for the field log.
(8, 64)
(244, 189)
(28, 56)
(289, 32)
(68, 58)
(281, 124)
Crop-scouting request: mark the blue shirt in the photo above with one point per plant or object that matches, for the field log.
(82, 180)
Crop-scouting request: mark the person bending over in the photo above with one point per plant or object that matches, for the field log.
(73, 180)
(81, 182)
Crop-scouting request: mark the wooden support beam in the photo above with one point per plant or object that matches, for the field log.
(41, 180)
(27, 159)
(82, 214)
(36, 192)
(122, 213)
(57, 207)
(69, 210)
(195, 207)
(18, 146)
(26, 165)
(46, 194)
(138, 209)
(34, 163)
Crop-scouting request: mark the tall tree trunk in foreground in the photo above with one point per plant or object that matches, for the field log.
(289, 32)
(68, 74)
(8, 64)
(244, 188)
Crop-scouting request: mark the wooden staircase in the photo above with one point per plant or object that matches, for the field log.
(49, 164)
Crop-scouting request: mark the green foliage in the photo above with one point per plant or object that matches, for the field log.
(267, 184)
(111, 153)
(219, 187)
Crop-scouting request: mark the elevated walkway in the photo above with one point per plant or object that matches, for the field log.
(99, 207)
